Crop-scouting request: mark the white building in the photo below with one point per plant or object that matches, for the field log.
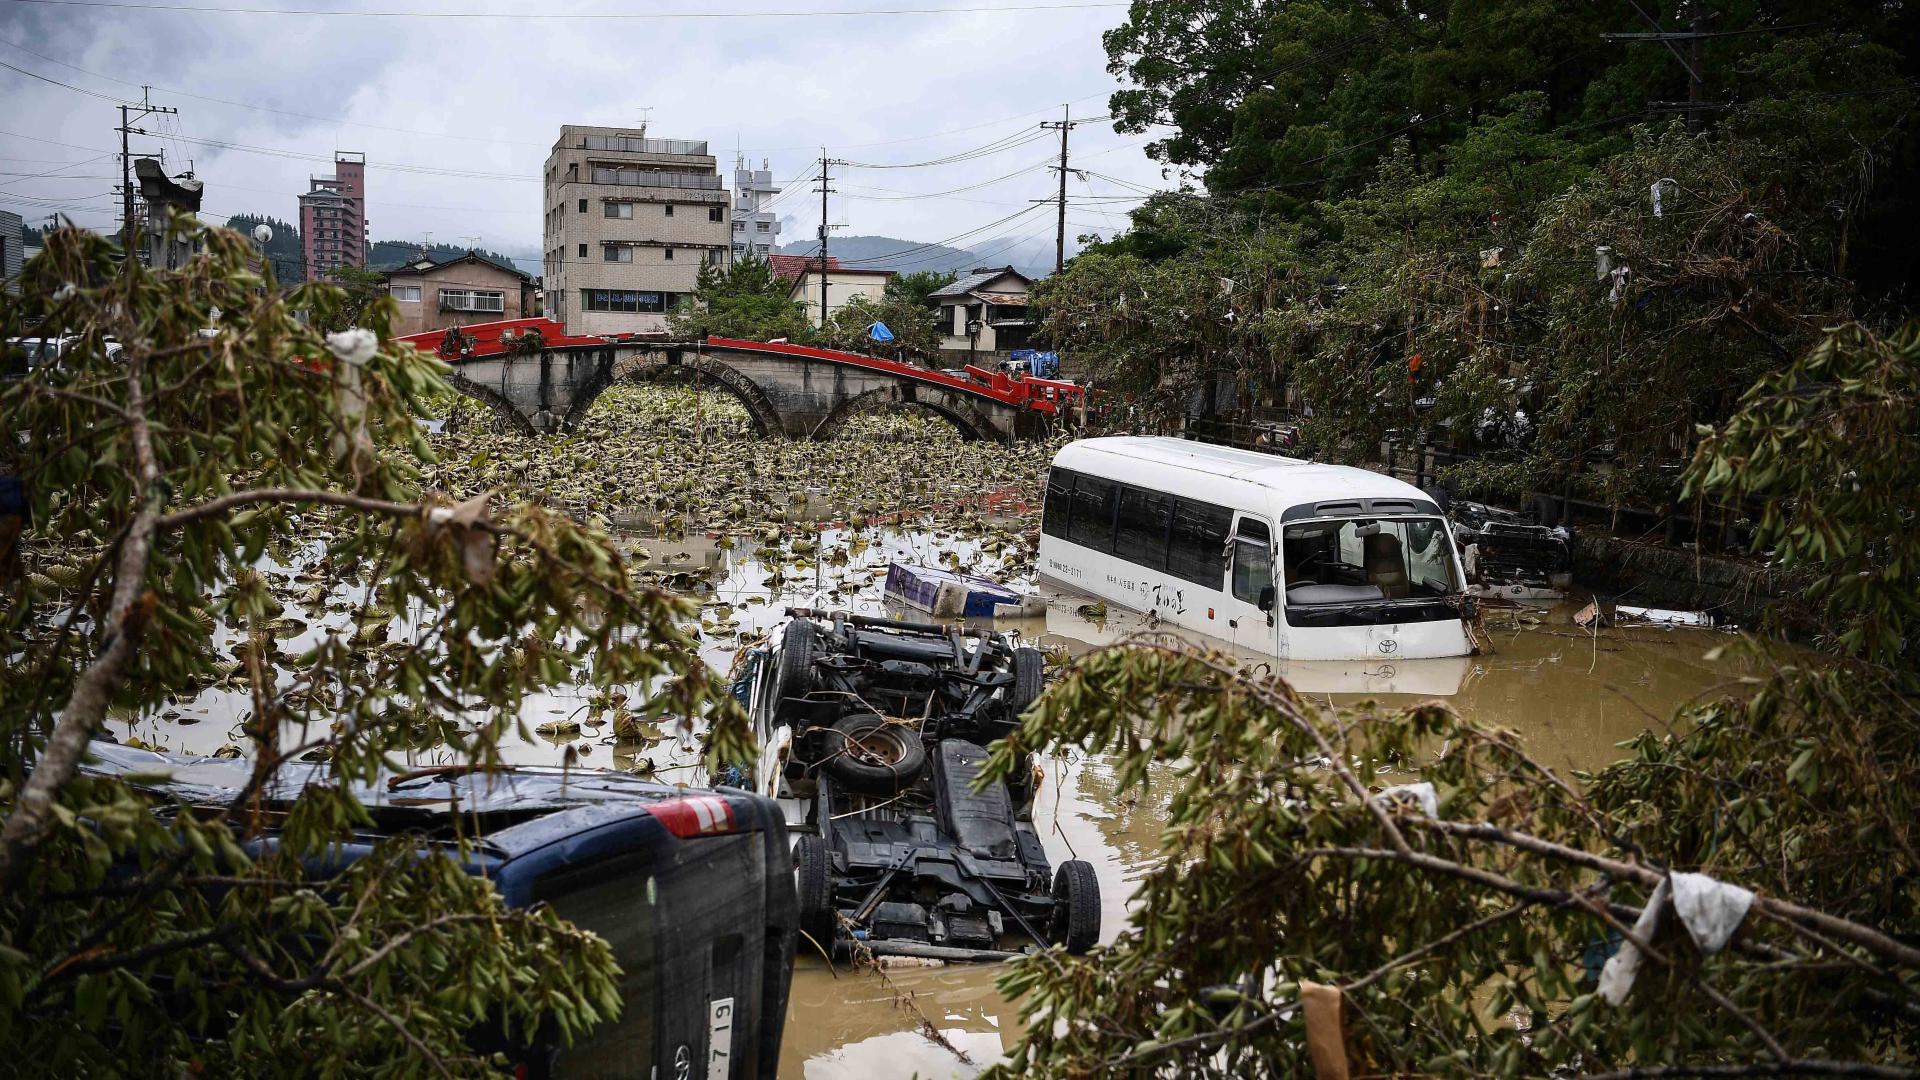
(756, 229)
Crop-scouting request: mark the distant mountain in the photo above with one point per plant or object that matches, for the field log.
(909, 256)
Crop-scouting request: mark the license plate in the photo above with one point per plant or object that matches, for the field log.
(719, 1038)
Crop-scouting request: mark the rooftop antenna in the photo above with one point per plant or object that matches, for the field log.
(473, 242)
(646, 114)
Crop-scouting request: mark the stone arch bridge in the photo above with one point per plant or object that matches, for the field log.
(788, 390)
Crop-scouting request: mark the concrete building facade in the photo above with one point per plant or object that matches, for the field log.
(756, 229)
(629, 223)
(437, 294)
(803, 273)
(333, 217)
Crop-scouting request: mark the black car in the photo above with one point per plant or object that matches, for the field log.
(690, 888)
(886, 725)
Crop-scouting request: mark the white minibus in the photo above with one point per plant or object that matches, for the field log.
(1278, 556)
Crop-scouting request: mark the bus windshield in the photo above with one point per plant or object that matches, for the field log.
(1351, 561)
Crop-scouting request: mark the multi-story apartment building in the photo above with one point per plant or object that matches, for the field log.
(629, 222)
(333, 217)
(756, 229)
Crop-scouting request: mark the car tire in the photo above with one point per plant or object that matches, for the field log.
(1076, 907)
(813, 882)
(799, 648)
(1029, 678)
(868, 754)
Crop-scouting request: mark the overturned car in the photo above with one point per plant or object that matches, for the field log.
(874, 737)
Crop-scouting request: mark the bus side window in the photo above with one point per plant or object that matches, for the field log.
(1252, 560)
(1094, 501)
(1059, 504)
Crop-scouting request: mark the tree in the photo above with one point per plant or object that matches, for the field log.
(174, 488)
(917, 287)
(360, 288)
(916, 333)
(1318, 902)
(744, 300)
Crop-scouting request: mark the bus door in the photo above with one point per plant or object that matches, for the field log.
(1252, 596)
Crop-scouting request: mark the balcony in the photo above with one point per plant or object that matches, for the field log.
(632, 144)
(655, 178)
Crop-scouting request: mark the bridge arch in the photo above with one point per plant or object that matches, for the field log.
(965, 415)
(677, 363)
(493, 399)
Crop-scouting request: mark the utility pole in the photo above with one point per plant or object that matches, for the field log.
(145, 109)
(826, 163)
(1693, 59)
(1065, 124)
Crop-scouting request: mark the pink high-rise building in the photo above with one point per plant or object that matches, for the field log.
(333, 217)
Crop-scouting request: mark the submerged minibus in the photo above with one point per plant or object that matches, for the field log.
(1283, 557)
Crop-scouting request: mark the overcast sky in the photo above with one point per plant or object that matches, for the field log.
(488, 95)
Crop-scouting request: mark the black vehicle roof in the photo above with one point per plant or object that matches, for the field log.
(424, 799)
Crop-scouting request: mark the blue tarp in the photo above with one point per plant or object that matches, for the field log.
(1044, 365)
(879, 332)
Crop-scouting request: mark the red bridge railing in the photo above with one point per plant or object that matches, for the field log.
(481, 340)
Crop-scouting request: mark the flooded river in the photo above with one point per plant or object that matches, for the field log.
(1570, 695)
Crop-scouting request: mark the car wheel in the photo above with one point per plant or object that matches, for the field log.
(799, 648)
(1076, 907)
(814, 883)
(868, 754)
(1029, 677)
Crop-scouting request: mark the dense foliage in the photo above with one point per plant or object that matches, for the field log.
(743, 299)
(1467, 936)
(1470, 222)
(167, 480)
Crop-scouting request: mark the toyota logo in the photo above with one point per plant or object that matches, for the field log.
(1388, 646)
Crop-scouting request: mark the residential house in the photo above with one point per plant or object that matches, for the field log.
(984, 313)
(437, 293)
(333, 217)
(803, 273)
(629, 222)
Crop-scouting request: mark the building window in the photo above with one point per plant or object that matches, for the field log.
(583, 251)
(624, 300)
(472, 300)
(713, 213)
(669, 254)
(739, 226)
(669, 209)
(615, 253)
(406, 293)
(619, 210)
(760, 226)
(583, 206)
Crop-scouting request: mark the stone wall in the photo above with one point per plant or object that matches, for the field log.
(1742, 591)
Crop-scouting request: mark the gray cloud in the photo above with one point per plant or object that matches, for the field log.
(488, 96)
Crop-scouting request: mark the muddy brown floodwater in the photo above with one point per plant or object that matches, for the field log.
(1570, 696)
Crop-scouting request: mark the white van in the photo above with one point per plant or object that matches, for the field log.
(1278, 556)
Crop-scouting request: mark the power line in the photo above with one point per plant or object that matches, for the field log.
(63, 86)
(566, 16)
